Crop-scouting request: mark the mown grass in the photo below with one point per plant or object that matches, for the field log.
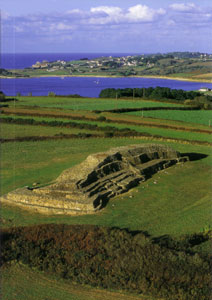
(11, 131)
(20, 282)
(86, 103)
(174, 202)
(197, 116)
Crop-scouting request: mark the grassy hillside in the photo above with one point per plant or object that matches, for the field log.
(178, 202)
(175, 201)
(21, 282)
(171, 66)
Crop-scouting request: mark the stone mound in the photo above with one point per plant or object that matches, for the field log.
(88, 186)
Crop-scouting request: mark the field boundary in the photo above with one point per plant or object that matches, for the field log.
(138, 123)
(87, 136)
(123, 110)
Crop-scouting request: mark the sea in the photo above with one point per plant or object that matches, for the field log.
(83, 86)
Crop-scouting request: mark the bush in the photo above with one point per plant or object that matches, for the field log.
(2, 96)
(189, 102)
(51, 94)
(113, 258)
(108, 134)
(101, 119)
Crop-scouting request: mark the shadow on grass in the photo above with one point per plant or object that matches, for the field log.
(194, 156)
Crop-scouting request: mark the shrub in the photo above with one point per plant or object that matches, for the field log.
(101, 119)
(2, 96)
(108, 134)
(51, 94)
(113, 258)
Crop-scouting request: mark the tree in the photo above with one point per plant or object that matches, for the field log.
(2, 96)
(51, 94)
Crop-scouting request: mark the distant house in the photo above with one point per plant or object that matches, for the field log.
(204, 89)
(43, 65)
(36, 66)
(39, 65)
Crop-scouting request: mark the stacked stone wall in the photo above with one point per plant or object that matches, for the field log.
(88, 186)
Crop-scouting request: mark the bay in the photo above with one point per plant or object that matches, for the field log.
(84, 86)
(88, 86)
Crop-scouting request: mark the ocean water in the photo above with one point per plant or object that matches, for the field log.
(84, 86)
(87, 86)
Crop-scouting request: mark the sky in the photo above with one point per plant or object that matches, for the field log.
(105, 26)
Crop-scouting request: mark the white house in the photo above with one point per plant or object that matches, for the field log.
(203, 89)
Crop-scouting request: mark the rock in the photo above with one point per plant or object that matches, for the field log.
(88, 186)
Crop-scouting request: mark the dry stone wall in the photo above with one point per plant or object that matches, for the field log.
(88, 186)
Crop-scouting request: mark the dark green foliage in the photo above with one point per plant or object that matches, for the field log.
(113, 258)
(101, 119)
(203, 101)
(69, 96)
(51, 94)
(5, 72)
(2, 96)
(124, 110)
(158, 93)
(108, 93)
(186, 54)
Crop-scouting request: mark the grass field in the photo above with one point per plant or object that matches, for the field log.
(173, 205)
(20, 282)
(175, 201)
(202, 117)
(135, 118)
(11, 131)
(86, 103)
(167, 133)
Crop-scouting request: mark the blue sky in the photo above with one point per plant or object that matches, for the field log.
(137, 26)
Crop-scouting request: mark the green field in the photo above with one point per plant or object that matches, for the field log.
(203, 117)
(165, 207)
(11, 131)
(175, 201)
(167, 133)
(86, 103)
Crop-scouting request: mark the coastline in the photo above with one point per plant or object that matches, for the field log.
(112, 76)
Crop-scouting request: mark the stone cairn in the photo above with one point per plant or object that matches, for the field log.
(88, 186)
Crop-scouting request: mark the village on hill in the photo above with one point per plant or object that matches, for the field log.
(132, 64)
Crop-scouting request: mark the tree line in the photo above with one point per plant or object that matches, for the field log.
(150, 93)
